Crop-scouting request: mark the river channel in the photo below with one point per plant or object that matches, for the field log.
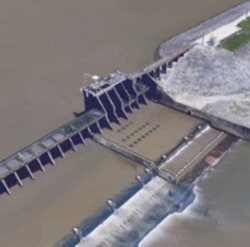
(45, 48)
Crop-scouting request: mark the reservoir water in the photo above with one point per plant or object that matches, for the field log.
(45, 47)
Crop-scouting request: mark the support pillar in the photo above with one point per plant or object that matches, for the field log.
(135, 104)
(51, 158)
(122, 104)
(113, 106)
(78, 233)
(30, 172)
(40, 164)
(108, 122)
(60, 150)
(90, 131)
(139, 179)
(157, 73)
(164, 68)
(129, 97)
(104, 109)
(73, 145)
(126, 91)
(6, 187)
(111, 204)
(137, 98)
(98, 128)
(129, 108)
(18, 179)
(82, 138)
(143, 99)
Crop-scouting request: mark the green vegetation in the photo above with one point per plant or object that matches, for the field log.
(240, 38)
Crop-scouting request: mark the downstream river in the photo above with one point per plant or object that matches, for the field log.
(45, 48)
(219, 215)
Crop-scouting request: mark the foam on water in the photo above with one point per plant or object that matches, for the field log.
(138, 216)
(161, 231)
(219, 215)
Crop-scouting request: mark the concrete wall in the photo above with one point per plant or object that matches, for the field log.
(87, 226)
(216, 122)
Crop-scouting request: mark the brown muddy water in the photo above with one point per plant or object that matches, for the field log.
(152, 130)
(45, 47)
(46, 209)
(219, 215)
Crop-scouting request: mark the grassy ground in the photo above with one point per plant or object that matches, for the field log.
(239, 39)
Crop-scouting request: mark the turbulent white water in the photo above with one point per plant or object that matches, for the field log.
(163, 230)
(138, 216)
(219, 215)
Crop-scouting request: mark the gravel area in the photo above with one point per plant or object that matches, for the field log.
(209, 71)
(214, 80)
(211, 79)
(237, 111)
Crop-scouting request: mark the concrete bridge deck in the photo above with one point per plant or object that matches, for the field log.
(176, 164)
(46, 149)
(193, 152)
(125, 152)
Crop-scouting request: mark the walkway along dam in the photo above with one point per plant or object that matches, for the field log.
(111, 105)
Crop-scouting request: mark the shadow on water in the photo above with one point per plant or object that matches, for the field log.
(88, 225)
(25, 172)
(127, 233)
(29, 169)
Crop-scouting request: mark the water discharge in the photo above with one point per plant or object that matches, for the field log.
(138, 216)
(219, 215)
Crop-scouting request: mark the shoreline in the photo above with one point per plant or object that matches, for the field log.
(209, 160)
(169, 46)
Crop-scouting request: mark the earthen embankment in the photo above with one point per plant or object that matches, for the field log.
(170, 46)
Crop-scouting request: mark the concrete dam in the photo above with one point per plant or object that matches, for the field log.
(110, 119)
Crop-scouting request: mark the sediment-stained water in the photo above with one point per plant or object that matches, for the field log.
(46, 209)
(153, 130)
(139, 215)
(45, 47)
(219, 215)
